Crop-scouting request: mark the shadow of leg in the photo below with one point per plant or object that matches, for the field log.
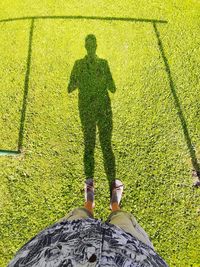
(89, 133)
(105, 135)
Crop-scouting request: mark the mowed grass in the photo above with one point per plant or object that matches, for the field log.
(152, 157)
(14, 39)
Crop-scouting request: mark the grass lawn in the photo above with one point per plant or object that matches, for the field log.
(156, 118)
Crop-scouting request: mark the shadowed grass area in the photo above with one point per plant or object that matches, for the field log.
(152, 157)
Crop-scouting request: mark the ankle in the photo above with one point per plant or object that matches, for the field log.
(116, 195)
(115, 206)
(89, 194)
(89, 206)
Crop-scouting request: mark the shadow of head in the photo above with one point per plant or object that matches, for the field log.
(91, 45)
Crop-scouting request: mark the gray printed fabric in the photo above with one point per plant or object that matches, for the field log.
(87, 242)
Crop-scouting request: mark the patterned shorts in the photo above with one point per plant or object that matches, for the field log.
(125, 220)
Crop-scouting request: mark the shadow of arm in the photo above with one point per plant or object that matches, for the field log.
(73, 81)
(110, 82)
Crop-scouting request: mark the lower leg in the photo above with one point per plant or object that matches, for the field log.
(89, 195)
(115, 206)
(88, 206)
(116, 194)
(89, 173)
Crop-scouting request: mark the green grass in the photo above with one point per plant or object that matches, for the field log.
(152, 157)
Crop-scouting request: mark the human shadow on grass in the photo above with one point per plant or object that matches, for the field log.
(93, 78)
